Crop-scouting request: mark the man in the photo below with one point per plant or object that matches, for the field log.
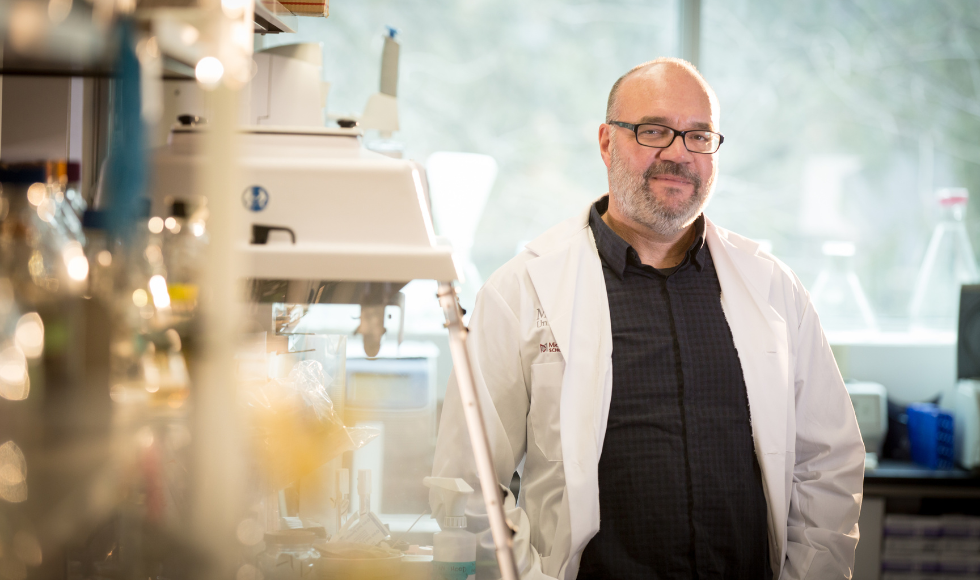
(662, 385)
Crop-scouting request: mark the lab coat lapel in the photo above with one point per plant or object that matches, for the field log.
(760, 338)
(569, 284)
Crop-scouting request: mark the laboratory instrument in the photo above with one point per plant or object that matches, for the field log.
(286, 89)
(321, 220)
(968, 336)
(870, 402)
(964, 403)
(965, 409)
(314, 218)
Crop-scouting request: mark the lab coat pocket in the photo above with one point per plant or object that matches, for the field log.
(543, 417)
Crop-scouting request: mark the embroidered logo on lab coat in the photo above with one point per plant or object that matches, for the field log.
(549, 347)
(542, 320)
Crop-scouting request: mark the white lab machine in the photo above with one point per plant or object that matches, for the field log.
(966, 423)
(324, 221)
(870, 402)
(321, 220)
(287, 89)
(315, 205)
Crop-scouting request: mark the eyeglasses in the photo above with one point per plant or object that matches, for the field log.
(661, 137)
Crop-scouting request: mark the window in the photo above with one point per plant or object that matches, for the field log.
(841, 120)
(523, 82)
(842, 117)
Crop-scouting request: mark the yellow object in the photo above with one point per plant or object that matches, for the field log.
(183, 293)
(290, 444)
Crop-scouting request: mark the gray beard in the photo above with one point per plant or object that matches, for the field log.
(632, 195)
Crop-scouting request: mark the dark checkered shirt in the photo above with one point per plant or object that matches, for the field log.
(680, 489)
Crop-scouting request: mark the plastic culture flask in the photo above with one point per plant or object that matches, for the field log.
(837, 294)
(948, 264)
(289, 555)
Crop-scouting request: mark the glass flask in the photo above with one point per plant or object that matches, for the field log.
(288, 555)
(837, 293)
(948, 264)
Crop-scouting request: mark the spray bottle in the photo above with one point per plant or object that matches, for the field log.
(454, 548)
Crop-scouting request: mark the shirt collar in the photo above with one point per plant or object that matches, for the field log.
(616, 253)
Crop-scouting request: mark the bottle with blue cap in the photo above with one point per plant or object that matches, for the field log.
(454, 548)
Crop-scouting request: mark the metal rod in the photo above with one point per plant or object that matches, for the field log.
(501, 530)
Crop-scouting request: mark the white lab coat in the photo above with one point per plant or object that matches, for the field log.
(541, 347)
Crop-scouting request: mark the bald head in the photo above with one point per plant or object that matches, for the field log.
(660, 190)
(649, 75)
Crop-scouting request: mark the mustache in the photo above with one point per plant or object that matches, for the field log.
(671, 168)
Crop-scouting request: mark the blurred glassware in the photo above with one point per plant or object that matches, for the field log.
(837, 294)
(948, 264)
(459, 187)
(184, 247)
(289, 555)
(294, 425)
(41, 235)
(99, 252)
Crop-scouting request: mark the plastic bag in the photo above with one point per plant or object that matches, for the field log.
(293, 424)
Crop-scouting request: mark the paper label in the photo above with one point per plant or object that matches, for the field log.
(453, 570)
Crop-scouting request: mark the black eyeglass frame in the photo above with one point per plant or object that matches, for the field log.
(635, 128)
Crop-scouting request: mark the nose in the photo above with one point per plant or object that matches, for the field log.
(676, 152)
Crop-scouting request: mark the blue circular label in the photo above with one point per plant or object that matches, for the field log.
(255, 198)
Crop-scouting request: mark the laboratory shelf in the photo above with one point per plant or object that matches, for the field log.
(79, 48)
(271, 17)
(13, 64)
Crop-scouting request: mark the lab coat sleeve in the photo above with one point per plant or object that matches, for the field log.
(828, 476)
(495, 356)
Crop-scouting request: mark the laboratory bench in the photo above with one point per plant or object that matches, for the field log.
(894, 478)
(902, 487)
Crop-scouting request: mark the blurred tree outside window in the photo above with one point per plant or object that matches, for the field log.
(841, 117)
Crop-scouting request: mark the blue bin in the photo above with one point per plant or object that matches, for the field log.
(931, 436)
